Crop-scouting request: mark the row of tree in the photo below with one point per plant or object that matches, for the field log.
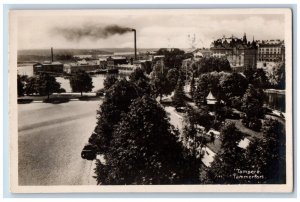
(43, 84)
(263, 161)
(134, 134)
(46, 84)
(242, 92)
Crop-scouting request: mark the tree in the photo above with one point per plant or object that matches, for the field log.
(211, 64)
(253, 107)
(192, 86)
(117, 100)
(208, 82)
(232, 85)
(81, 82)
(138, 74)
(229, 159)
(257, 78)
(31, 86)
(173, 58)
(194, 136)
(280, 76)
(145, 149)
(47, 84)
(267, 154)
(147, 67)
(141, 80)
(179, 96)
(109, 81)
(172, 77)
(159, 81)
(20, 84)
(204, 118)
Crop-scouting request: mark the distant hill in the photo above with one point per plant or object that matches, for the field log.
(33, 55)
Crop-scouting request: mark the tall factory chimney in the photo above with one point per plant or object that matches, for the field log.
(134, 31)
(52, 54)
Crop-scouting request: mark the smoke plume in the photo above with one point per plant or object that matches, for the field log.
(93, 32)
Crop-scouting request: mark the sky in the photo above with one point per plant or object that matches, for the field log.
(161, 29)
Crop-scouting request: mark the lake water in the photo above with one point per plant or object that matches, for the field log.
(98, 79)
(275, 100)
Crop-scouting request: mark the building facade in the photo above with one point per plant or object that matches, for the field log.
(271, 50)
(82, 65)
(113, 62)
(48, 67)
(241, 53)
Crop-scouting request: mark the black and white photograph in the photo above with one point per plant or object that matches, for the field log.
(188, 100)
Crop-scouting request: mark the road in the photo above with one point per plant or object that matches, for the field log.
(50, 140)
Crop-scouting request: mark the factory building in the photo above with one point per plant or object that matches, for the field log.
(113, 62)
(48, 66)
(84, 65)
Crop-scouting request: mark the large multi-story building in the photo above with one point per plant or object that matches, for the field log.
(271, 50)
(241, 53)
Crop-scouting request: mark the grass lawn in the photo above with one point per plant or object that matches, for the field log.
(250, 133)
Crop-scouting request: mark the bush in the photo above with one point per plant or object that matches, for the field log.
(56, 100)
(216, 124)
(236, 102)
(86, 98)
(24, 101)
(100, 92)
(61, 90)
(253, 123)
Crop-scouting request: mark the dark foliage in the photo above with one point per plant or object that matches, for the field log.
(141, 80)
(232, 85)
(206, 83)
(192, 86)
(81, 82)
(117, 100)
(253, 107)
(109, 81)
(223, 168)
(173, 58)
(257, 78)
(172, 77)
(56, 100)
(24, 101)
(210, 64)
(179, 96)
(159, 82)
(280, 75)
(144, 150)
(147, 67)
(43, 84)
(20, 85)
(268, 155)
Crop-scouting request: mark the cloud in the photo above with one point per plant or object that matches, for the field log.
(152, 31)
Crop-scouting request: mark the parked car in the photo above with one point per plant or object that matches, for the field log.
(89, 152)
(181, 109)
